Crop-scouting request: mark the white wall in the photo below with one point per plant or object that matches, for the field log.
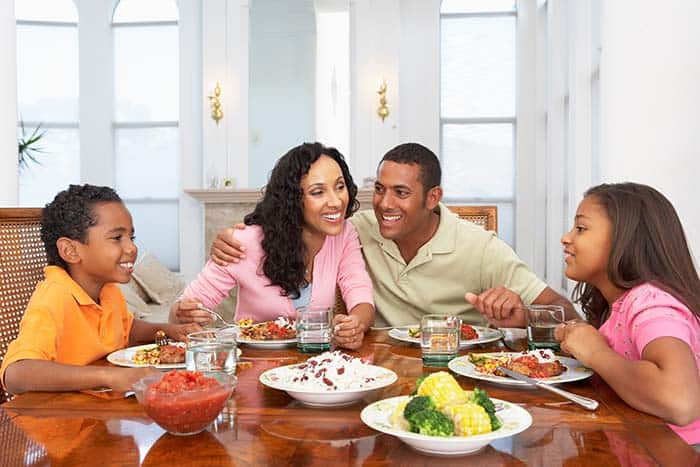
(650, 100)
(8, 109)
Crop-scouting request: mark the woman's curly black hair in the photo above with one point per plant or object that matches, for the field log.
(280, 214)
(70, 214)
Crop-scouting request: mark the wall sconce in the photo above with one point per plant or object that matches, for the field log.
(382, 110)
(217, 113)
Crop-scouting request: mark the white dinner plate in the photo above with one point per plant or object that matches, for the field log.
(485, 335)
(124, 357)
(378, 417)
(574, 370)
(279, 378)
(267, 344)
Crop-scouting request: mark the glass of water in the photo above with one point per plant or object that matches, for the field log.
(212, 352)
(541, 322)
(439, 339)
(313, 325)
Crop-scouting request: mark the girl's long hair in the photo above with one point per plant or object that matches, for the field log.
(280, 214)
(648, 245)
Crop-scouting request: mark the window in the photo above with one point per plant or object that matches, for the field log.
(477, 105)
(47, 95)
(146, 114)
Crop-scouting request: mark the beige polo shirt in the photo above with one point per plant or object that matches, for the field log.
(461, 257)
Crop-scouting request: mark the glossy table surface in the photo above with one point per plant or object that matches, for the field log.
(271, 428)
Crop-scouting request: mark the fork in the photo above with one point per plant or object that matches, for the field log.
(161, 338)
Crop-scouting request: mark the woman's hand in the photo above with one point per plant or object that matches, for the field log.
(179, 332)
(348, 331)
(581, 340)
(189, 310)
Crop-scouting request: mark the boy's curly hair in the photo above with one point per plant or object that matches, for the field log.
(70, 214)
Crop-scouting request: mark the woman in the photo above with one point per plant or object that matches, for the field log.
(299, 246)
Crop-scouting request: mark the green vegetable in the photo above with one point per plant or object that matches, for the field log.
(417, 404)
(431, 422)
(418, 381)
(481, 397)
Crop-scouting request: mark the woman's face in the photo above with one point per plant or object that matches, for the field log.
(587, 245)
(325, 197)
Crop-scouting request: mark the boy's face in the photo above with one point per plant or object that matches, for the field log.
(109, 252)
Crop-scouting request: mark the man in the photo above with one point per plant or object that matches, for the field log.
(423, 259)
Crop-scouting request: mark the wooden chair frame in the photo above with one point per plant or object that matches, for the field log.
(485, 216)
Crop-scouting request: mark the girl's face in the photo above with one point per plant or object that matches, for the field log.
(325, 197)
(587, 245)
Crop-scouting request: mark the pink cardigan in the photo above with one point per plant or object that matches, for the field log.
(338, 262)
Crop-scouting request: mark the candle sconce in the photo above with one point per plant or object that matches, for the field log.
(217, 112)
(383, 109)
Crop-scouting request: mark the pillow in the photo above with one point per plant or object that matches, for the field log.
(160, 284)
(137, 289)
(134, 303)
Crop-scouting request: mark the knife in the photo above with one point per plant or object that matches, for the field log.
(584, 402)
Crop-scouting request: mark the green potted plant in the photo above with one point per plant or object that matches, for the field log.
(28, 148)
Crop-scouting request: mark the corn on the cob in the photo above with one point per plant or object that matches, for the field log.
(443, 389)
(469, 419)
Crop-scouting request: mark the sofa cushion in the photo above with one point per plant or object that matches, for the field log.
(160, 284)
(134, 302)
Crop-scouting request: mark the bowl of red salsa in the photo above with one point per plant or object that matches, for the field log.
(183, 402)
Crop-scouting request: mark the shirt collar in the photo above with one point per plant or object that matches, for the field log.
(59, 275)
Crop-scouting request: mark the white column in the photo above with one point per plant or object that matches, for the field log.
(9, 190)
(96, 91)
(192, 248)
(649, 75)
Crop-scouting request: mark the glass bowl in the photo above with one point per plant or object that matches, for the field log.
(184, 411)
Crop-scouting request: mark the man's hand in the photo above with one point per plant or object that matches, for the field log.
(188, 311)
(348, 331)
(581, 340)
(500, 306)
(225, 248)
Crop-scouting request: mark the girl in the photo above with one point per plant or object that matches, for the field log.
(299, 246)
(640, 292)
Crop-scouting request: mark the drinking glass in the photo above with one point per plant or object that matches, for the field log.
(313, 326)
(212, 352)
(439, 339)
(541, 322)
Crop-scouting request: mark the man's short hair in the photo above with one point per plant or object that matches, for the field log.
(414, 153)
(70, 214)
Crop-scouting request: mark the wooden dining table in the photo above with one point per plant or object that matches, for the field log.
(268, 427)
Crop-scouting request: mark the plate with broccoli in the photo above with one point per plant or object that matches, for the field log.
(443, 419)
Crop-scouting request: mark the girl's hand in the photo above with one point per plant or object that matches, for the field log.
(348, 331)
(179, 332)
(581, 340)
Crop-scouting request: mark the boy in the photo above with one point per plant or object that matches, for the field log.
(78, 314)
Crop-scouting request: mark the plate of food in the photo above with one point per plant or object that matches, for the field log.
(165, 357)
(469, 335)
(268, 334)
(330, 379)
(445, 420)
(540, 364)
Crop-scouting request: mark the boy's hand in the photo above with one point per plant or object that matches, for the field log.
(226, 249)
(179, 331)
(188, 311)
(121, 379)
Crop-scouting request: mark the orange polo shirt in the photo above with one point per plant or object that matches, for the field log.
(64, 325)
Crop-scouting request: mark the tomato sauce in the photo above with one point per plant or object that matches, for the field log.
(185, 401)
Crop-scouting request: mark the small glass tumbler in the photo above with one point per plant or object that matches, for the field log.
(439, 339)
(541, 322)
(313, 326)
(212, 352)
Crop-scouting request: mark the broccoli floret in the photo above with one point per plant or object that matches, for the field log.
(481, 397)
(418, 382)
(417, 404)
(431, 422)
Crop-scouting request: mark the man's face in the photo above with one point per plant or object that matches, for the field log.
(401, 207)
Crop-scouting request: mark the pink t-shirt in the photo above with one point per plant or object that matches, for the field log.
(339, 261)
(643, 314)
